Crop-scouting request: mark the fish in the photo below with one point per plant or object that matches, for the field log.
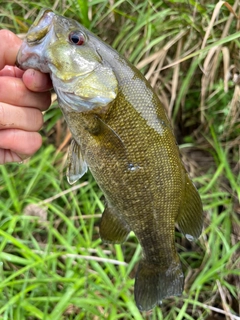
(121, 133)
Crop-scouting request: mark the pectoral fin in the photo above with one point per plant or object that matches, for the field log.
(113, 229)
(190, 217)
(104, 135)
(110, 138)
(77, 167)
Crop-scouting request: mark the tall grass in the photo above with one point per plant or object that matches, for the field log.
(53, 264)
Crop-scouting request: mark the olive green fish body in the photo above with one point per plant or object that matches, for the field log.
(121, 133)
(137, 161)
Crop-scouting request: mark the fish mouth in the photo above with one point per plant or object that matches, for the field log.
(33, 45)
(40, 27)
(28, 58)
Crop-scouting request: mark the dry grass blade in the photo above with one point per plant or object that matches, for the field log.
(211, 24)
(211, 61)
(215, 15)
(60, 194)
(99, 259)
(65, 141)
(157, 55)
(82, 257)
(221, 312)
(175, 79)
(234, 111)
(38, 210)
(226, 66)
(155, 69)
(224, 302)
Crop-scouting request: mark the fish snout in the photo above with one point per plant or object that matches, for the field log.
(31, 57)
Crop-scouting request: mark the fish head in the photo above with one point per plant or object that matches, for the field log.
(70, 53)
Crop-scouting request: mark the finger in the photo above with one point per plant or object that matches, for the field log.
(11, 71)
(28, 119)
(9, 156)
(20, 142)
(21, 96)
(36, 81)
(10, 45)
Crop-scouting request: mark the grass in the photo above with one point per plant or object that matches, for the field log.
(53, 264)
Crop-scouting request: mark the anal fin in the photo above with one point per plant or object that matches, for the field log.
(190, 217)
(113, 229)
(77, 166)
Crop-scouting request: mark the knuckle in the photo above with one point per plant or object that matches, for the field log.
(6, 34)
(14, 136)
(43, 101)
(48, 100)
(35, 144)
(2, 87)
(2, 116)
(19, 88)
(38, 119)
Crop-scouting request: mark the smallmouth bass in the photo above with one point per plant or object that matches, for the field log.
(122, 134)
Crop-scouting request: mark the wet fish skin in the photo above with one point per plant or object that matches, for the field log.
(121, 133)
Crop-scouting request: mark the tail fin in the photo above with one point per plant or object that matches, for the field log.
(152, 284)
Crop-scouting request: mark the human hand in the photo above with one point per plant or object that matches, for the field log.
(23, 97)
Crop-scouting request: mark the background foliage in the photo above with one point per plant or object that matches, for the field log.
(52, 262)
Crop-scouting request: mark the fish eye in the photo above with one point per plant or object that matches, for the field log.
(76, 37)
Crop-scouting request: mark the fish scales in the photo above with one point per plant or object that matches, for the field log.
(122, 134)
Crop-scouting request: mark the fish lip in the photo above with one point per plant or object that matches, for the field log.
(21, 57)
(40, 27)
(31, 58)
(33, 45)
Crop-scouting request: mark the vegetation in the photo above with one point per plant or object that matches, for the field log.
(53, 264)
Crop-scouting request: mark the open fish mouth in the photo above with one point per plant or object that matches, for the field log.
(40, 27)
(28, 59)
(30, 55)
